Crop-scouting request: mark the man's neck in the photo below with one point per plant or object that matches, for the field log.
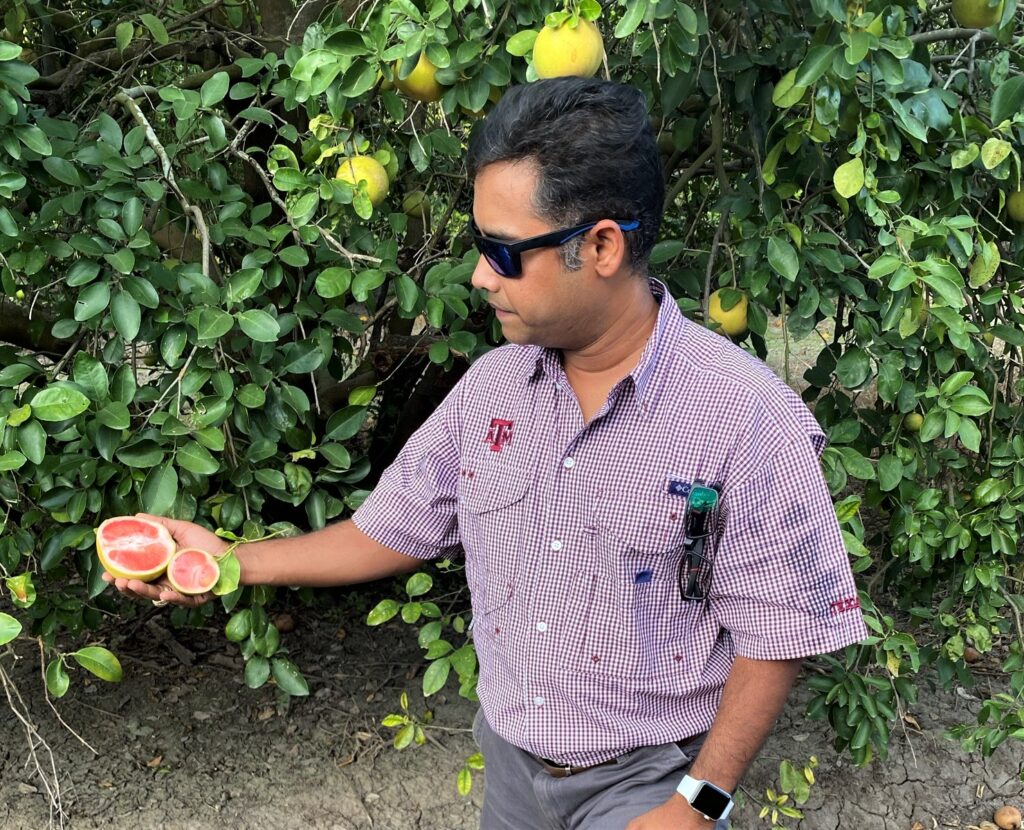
(613, 354)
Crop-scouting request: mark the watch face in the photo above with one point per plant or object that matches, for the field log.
(710, 801)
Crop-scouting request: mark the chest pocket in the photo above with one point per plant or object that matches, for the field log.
(494, 509)
(638, 628)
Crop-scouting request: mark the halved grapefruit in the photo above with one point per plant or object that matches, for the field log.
(193, 571)
(134, 548)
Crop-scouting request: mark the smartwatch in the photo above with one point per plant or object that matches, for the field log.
(710, 801)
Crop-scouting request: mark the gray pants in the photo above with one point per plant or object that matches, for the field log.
(520, 795)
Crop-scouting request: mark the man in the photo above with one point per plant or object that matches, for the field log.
(650, 545)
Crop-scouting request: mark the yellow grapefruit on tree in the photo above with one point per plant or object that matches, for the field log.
(732, 321)
(977, 14)
(356, 169)
(912, 421)
(1015, 206)
(422, 81)
(568, 50)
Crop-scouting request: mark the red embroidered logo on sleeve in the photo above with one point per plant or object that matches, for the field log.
(844, 604)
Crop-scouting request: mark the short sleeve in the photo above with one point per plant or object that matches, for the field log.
(781, 581)
(413, 508)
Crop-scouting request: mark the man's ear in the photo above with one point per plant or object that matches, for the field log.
(611, 251)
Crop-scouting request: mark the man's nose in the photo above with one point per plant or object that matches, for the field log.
(484, 277)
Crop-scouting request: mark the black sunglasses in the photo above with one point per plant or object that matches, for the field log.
(695, 566)
(504, 256)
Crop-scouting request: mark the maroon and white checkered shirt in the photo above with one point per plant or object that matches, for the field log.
(572, 535)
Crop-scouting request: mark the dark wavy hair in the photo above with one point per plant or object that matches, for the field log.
(595, 153)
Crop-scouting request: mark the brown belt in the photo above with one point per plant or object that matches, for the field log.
(556, 771)
(563, 771)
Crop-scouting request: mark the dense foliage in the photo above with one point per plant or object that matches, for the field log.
(199, 319)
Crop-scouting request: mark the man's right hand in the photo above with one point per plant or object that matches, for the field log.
(186, 535)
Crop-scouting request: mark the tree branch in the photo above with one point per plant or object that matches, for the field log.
(168, 172)
(938, 35)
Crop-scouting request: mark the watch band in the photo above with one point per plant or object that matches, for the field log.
(710, 801)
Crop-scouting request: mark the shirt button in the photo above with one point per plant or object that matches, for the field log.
(556, 545)
(569, 463)
(542, 627)
(538, 701)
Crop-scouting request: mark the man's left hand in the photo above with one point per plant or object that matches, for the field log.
(674, 814)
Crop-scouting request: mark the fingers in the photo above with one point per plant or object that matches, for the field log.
(155, 592)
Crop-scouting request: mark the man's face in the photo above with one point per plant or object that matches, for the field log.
(546, 305)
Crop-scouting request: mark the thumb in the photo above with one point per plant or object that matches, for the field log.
(175, 526)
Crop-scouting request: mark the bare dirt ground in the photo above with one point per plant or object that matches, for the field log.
(188, 745)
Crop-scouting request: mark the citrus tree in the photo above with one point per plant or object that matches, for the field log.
(234, 279)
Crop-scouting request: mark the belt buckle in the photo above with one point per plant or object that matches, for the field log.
(567, 769)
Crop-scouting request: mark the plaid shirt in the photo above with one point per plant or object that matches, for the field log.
(572, 535)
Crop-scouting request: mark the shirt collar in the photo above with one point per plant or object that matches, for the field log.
(543, 361)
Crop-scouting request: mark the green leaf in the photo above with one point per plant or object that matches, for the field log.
(143, 453)
(196, 459)
(257, 671)
(963, 158)
(819, 59)
(90, 374)
(100, 662)
(890, 472)
(382, 612)
(994, 151)
(126, 314)
(34, 138)
(464, 781)
(631, 19)
(955, 382)
(521, 43)
(57, 403)
(62, 170)
(12, 460)
(156, 28)
(92, 301)
(230, 575)
(849, 178)
(883, 266)
(333, 282)
(9, 628)
(407, 292)
(259, 325)
(787, 92)
(853, 368)
(159, 490)
(985, 264)
(115, 415)
(123, 261)
(32, 441)
(9, 51)
(214, 89)
(210, 323)
(57, 680)
(1008, 99)
(970, 435)
(418, 584)
(288, 677)
(436, 676)
(123, 35)
(783, 258)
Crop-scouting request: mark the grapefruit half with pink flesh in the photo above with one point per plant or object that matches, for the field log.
(193, 571)
(134, 548)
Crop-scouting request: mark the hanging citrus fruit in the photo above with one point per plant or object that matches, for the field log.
(422, 82)
(356, 169)
(568, 50)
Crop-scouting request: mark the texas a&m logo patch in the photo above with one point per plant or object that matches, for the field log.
(499, 433)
